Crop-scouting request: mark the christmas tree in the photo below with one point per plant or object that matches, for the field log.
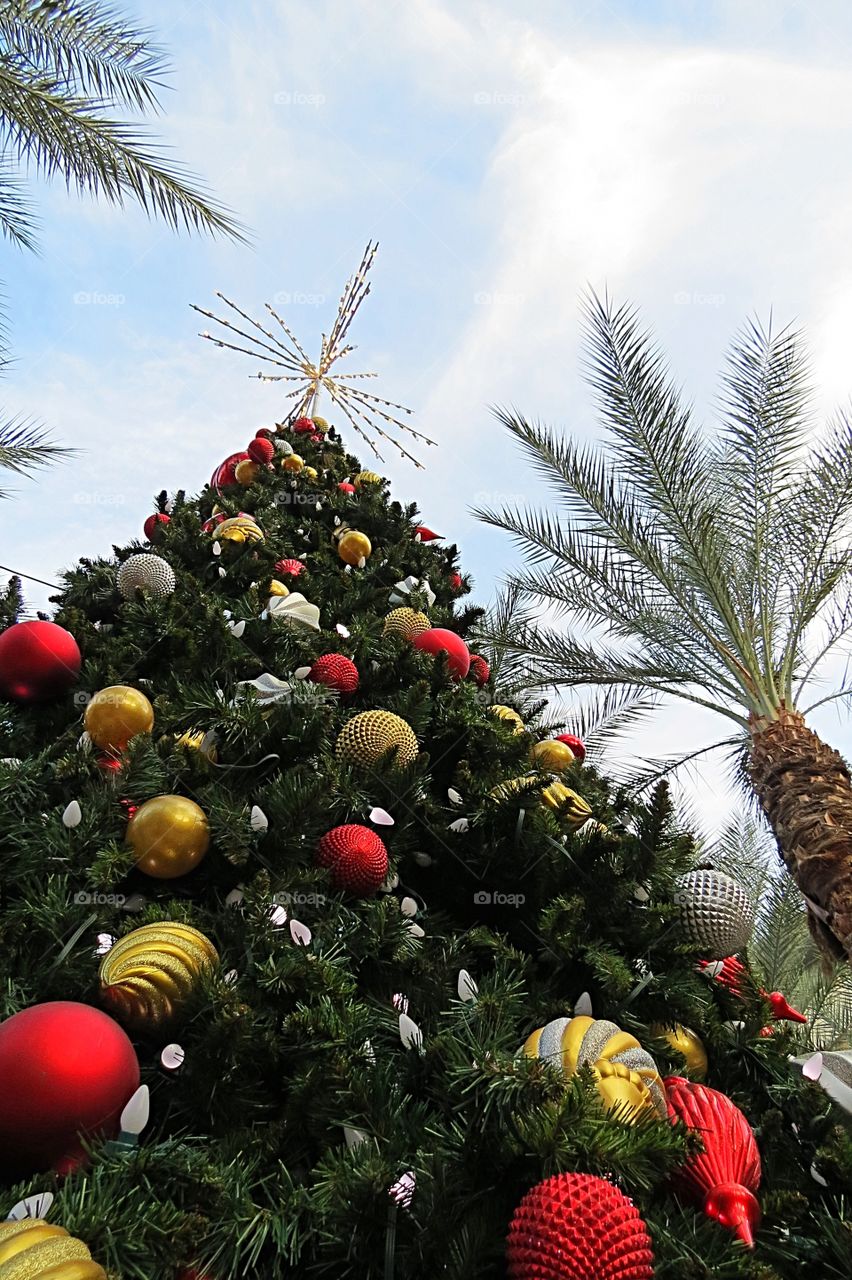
(326, 952)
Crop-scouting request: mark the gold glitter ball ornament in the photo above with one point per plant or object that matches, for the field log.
(31, 1248)
(277, 588)
(354, 547)
(365, 478)
(625, 1073)
(310, 473)
(241, 528)
(508, 715)
(571, 809)
(405, 622)
(551, 755)
(115, 715)
(246, 472)
(292, 463)
(149, 973)
(688, 1044)
(169, 835)
(369, 736)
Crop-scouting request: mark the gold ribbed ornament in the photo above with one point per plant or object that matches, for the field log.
(246, 472)
(32, 1249)
(277, 588)
(370, 735)
(571, 809)
(149, 973)
(238, 529)
(405, 622)
(366, 478)
(508, 715)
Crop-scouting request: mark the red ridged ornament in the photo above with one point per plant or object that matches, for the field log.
(479, 672)
(224, 473)
(456, 581)
(576, 744)
(293, 567)
(575, 1226)
(153, 526)
(261, 450)
(356, 857)
(336, 671)
(438, 640)
(303, 425)
(723, 1177)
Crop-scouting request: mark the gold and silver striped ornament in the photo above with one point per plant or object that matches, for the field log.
(716, 912)
(148, 573)
(149, 973)
(626, 1075)
(32, 1249)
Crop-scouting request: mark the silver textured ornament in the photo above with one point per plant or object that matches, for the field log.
(716, 913)
(151, 574)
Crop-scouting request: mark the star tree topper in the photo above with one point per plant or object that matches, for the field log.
(363, 409)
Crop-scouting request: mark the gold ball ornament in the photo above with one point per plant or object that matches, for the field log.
(277, 588)
(625, 1073)
(292, 463)
(365, 478)
(508, 715)
(240, 528)
(31, 1248)
(115, 715)
(149, 973)
(571, 809)
(406, 623)
(354, 547)
(310, 473)
(246, 472)
(369, 736)
(169, 835)
(551, 755)
(688, 1044)
(199, 742)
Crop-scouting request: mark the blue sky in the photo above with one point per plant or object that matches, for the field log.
(690, 156)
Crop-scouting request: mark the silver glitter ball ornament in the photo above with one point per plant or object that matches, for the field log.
(716, 913)
(151, 574)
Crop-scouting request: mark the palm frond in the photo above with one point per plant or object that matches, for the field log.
(24, 447)
(653, 771)
(17, 216)
(606, 717)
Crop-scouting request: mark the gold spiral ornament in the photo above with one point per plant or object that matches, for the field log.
(508, 715)
(405, 622)
(241, 528)
(32, 1249)
(368, 737)
(571, 809)
(149, 973)
(625, 1073)
(366, 478)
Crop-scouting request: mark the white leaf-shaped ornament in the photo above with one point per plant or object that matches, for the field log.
(84, 743)
(237, 628)
(173, 1056)
(135, 1115)
(466, 987)
(268, 688)
(36, 1206)
(235, 897)
(302, 673)
(342, 631)
(402, 1190)
(583, 1006)
(258, 820)
(295, 610)
(409, 1033)
(460, 824)
(454, 797)
(381, 818)
(408, 907)
(422, 858)
(300, 933)
(72, 815)
(278, 916)
(354, 1137)
(812, 1069)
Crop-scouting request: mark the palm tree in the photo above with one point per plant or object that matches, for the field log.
(714, 568)
(66, 67)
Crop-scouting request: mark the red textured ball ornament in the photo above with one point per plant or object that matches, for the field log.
(67, 1070)
(479, 672)
(346, 487)
(575, 1226)
(723, 1177)
(154, 525)
(225, 472)
(38, 660)
(293, 567)
(302, 426)
(261, 450)
(576, 744)
(438, 640)
(456, 581)
(336, 671)
(356, 857)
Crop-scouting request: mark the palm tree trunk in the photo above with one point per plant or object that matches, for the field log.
(805, 790)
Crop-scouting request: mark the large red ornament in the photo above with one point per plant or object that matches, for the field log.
(154, 525)
(438, 640)
(356, 857)
(261, 450)
(336, 671)
(66, 1070)
(731, 972)
(224, 473)
(575, 1226)
(723, 1177)
(479, 672)
(303, 425)
(576, 744)
(293, 567)
(38, 660)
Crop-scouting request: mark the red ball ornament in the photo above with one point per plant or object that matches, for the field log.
(225, 472)
(438, 640)
(336, 671)
(303, 425)
(479, 672)
(723, 1177)
(346, 487)
(356, 857)
(576, 744)
(38, 660)
(154, 525)
(67, 1071)
(293, 567)
(575, 1226)
(261, 450)
(456, 580)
